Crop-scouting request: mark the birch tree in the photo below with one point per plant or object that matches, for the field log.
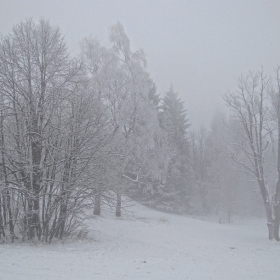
(119, 76)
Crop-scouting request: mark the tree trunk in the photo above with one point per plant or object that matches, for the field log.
(6, 197)
(97, 203)
(270, 220)
(269, 209)
(11, 223)
(4, 203)
(277, 190)
(37, 177)
(277, 221)
(1, 220)
(119, 204)
(63, 212)
(62, 218)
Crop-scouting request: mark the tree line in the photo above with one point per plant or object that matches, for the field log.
(231, 168)
(80, 132)
(74, 131)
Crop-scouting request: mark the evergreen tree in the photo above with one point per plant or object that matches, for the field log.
(173, 119)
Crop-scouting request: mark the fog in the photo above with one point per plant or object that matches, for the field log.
(119, 181)
(201, 47)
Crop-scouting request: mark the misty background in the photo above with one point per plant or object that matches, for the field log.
(201, 47)
(93, 141)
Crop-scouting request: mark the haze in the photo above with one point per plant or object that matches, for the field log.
(108, 181)
(199, 46)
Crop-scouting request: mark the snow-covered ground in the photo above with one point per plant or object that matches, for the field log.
(146, 244)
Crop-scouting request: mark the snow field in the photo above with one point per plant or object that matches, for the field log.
(146, 244)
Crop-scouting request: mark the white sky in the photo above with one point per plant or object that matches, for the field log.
(201, 46)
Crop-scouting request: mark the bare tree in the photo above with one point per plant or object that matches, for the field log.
(275, 113)
(249, 106)
(70, 130)
(34, 74)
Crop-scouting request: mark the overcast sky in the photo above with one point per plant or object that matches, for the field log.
(200, 46)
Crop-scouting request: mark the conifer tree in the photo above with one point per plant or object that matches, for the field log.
(173, 119)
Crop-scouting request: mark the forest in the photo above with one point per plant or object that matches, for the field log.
(80, 132)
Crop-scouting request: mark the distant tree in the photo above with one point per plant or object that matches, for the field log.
(222, 171)
(217, 186)
(173, 120)
(200, 163)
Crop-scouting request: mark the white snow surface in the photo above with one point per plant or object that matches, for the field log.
(146, 244)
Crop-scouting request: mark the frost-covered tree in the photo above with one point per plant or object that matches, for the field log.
(128, 93)
(54, 130)
(250, 107)
(222, 180)
(35, 75)
(275, 116)
(174, 194)
(200, 163)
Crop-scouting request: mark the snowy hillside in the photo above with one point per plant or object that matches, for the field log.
(145, 244)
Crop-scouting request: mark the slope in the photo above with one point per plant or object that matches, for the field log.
(146, 244)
